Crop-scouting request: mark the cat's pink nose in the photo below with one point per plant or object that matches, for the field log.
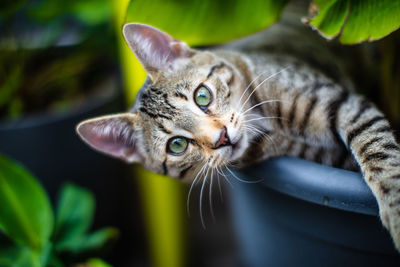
(223, 139)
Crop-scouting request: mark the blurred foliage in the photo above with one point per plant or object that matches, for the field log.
(25, 213)
(206, 22)
(32, 236)
(89, 12)
(211, 22)
(94, 263)
(52, 53)
(356, 21)
(33, 80)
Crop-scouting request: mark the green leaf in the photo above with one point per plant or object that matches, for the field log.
(97, 263)
(25, 212)
(74, 216)
(45, 254)
(92, 12)
(206, 22)
(10, 84)
(95, 241)
(331, 18)
(356, 21)
(18, 256)
(54, 261)
(322, 3)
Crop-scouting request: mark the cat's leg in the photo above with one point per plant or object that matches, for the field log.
(329, 117)
(368, 135)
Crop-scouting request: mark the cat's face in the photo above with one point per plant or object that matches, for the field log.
(186, 115)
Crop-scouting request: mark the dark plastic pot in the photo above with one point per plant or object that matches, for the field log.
(307, 214)
(49, 147)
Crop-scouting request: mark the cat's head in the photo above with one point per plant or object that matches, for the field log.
(187, 114)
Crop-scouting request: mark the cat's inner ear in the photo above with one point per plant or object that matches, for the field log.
(156, 50)
(115, 135)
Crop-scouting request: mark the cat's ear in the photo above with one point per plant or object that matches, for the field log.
(156, 50)
(115, 135)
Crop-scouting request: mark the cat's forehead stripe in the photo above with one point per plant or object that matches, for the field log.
(154, 102)
(214, 68)
(164, 129)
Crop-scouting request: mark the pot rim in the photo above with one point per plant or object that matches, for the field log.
(316, 183)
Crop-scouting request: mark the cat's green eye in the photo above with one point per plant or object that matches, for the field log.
(202, 96)
(177, 145)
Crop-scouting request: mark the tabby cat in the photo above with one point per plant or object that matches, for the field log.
(209, 109)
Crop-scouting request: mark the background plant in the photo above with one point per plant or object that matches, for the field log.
(52, 53)
(32, 235)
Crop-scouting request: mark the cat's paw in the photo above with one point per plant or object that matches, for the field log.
(390, 218)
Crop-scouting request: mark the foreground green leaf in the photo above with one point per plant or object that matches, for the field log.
(356, 21)
(25, 212)
(206, 22)
(74, 216)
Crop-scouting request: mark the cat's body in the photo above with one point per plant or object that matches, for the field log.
(205, 110)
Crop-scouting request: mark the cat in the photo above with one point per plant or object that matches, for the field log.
(208, 109)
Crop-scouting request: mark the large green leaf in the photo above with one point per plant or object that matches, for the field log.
(206, 22)
(74, 216)
(25, 211)
(355, 21)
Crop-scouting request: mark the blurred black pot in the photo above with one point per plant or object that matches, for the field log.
(307, 214)
(49, 147)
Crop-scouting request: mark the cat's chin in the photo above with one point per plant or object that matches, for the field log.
(238, 148)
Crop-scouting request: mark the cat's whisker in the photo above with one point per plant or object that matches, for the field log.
(226, 179)
(210, 195)
(258, 86)
(241, 180)
(218, 170)
(219, 185)
(263, 118)
(201, 197)
(261, 103)
(263, 134)
(254, 130)
(248, 86)
(251, 114)
(233, 164)
(192, 186)
(251, 130)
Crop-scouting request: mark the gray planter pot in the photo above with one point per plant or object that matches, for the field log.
(307, 214)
